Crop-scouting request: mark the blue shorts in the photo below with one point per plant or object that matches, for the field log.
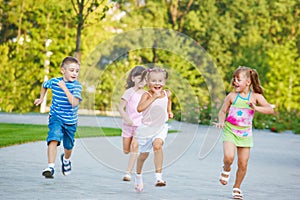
(59, 131)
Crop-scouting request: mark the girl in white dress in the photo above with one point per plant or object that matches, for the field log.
(155, 106)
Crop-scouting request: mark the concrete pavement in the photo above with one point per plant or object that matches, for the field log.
(98, 165)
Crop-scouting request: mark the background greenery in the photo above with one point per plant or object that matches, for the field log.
(263, 34)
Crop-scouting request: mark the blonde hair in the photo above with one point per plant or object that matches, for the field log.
(146, 73)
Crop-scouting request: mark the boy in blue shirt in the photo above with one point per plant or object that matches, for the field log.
(63, 117)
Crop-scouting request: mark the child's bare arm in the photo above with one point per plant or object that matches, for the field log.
(122, 112)
(169, 109)
(42, 95)
(223, 111)
(261, 105)
(145, 102)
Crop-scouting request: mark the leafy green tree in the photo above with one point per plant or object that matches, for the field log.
(95, 9)
(284, 85)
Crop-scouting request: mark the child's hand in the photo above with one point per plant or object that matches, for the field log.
(157, 95)
(38, 102)
(252, 105)
(129, 122)
(170, 115)
(218, 125)
(61, 84)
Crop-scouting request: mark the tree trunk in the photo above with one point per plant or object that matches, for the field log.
(77, 53)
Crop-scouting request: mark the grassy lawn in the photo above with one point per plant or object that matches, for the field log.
(12, 134)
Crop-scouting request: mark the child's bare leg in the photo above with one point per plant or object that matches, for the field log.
(52, 151)
(158, 155)
(243, 157)
(67, 153)
(229, 151)
(126, 144)
(133, 155)
(158, 161)
(140, 162)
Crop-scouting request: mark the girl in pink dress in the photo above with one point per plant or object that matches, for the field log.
(131, 117)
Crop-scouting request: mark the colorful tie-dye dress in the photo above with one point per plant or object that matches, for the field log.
(238, 125)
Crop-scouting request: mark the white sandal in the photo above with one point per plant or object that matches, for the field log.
(138, 183)
(237, 193)
(222, 178)
(126, 177)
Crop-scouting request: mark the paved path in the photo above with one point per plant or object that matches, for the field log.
(273, 171)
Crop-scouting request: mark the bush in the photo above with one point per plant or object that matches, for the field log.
(281, 121)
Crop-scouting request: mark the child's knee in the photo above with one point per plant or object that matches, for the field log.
(228, 160)
(126, 151)
(242, 165)
(157, 146)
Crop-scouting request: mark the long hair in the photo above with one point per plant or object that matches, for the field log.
(136, 71)
(252, 74)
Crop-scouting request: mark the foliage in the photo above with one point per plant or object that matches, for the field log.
(261, 34)
(279, 122)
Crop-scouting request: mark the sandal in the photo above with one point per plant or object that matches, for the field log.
(223, 178)
(138, 183)
(237, 193)
(126, 177)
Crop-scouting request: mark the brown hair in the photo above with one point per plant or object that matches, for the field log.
(252, 74)
(136, 71)
(68, 60)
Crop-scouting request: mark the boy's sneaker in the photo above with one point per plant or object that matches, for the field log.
(65, 168)
(48, 172)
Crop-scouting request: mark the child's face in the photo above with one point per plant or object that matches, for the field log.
(70, 72)
(138, 82)
(241, 82)
(156, 81)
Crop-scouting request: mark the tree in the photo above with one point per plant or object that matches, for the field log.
(83, 10)
(284, 86)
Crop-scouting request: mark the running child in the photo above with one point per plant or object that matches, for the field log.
(131, 117)
(241, 105)
(63, 117)
(155, 106)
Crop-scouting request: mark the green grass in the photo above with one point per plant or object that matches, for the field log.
(12, 134)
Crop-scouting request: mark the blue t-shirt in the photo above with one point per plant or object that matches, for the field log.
(60, 106)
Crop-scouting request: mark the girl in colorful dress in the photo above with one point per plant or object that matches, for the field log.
(155, 105)
(237, 127)
(131, 117)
